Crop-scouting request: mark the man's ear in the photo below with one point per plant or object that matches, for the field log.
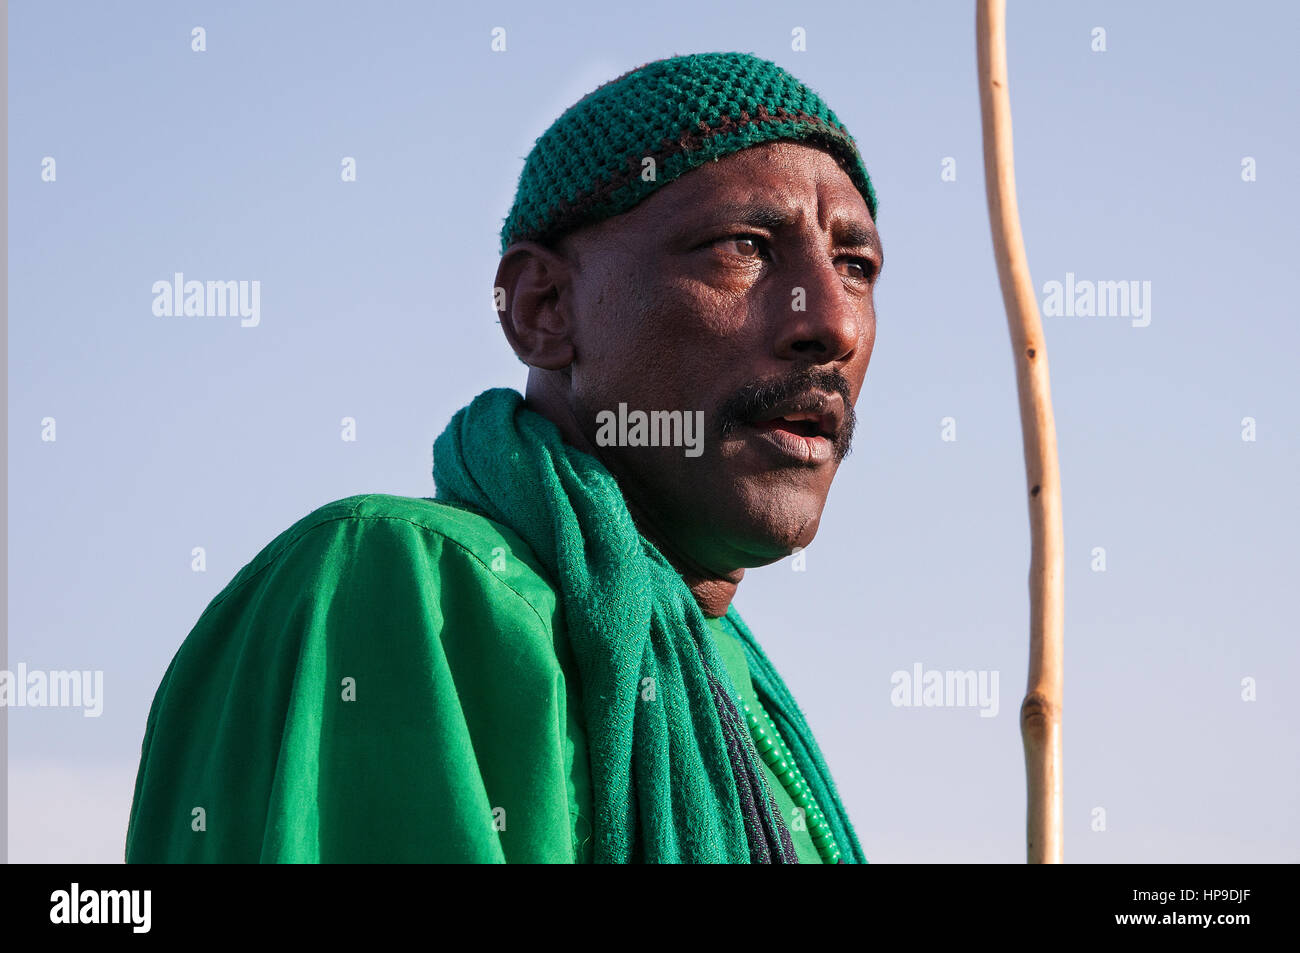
(533, 298)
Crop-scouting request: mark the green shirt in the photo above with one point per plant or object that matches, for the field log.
(389, 680)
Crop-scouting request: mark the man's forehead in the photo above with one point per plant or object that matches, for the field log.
(770, 186)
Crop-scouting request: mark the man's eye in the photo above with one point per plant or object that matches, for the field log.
(747, 246)
(864, 268)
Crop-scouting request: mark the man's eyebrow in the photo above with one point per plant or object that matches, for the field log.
(854, 234)
(848, 233)
(762, 215)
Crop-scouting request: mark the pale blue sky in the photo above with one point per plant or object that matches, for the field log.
(375, 303)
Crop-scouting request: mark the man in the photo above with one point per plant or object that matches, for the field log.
(543, 664)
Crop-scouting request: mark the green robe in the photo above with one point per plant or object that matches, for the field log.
(388, 681)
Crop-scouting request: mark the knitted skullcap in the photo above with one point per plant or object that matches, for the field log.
(681, 112)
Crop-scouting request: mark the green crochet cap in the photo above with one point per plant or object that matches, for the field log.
(681, 112)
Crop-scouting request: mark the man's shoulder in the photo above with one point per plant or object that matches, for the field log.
(357, 690)
(402, 530)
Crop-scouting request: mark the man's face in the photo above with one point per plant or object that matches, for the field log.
(743, 289)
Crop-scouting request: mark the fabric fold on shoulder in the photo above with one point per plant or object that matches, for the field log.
(368, 689)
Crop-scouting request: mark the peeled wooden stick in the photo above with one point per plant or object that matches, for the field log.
(1040, 713)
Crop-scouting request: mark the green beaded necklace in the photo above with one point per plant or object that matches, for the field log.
(777, 756)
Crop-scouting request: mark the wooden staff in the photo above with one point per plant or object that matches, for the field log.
(1040, 713)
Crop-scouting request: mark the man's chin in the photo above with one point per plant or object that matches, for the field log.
(771, 542)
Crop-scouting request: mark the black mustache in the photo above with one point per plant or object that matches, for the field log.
(762, 397)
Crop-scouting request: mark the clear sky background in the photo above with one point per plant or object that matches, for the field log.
(180, 432)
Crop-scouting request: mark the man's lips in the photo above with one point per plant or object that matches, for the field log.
(807, 450)
(803, 425)
(803, 428)
(814, 414)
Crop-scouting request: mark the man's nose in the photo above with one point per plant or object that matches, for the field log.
(820, 320)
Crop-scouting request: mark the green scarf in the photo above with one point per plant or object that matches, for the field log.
(675, 775)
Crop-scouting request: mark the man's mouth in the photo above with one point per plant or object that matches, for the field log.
(802, 429)
(801, 425)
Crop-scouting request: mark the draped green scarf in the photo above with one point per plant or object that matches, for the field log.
(675, 775)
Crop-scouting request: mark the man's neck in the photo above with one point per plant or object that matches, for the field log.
(713, 593)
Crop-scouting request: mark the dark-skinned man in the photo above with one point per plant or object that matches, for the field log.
(543, 664)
